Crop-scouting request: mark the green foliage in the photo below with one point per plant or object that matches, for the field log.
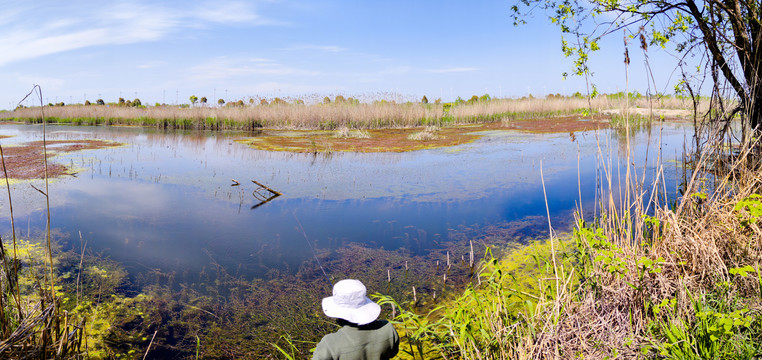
(712, 28)
(221, 102)
(749, 209)
(714, 333)
(424, 100)
(193, 99)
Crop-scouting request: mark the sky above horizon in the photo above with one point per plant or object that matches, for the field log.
(166, 51)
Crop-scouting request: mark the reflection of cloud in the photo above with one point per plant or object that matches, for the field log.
(31, 33)
(120, 198)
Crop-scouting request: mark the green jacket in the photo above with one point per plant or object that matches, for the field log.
(375, 341)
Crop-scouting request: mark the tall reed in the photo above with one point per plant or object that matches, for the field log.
(646, 275)
(34, 326)
(353, 115)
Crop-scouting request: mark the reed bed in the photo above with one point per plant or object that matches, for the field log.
(330, 116)
(646, 277)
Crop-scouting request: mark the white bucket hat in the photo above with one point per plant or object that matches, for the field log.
(350, 303)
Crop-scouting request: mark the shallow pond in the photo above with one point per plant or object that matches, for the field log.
(165, 200)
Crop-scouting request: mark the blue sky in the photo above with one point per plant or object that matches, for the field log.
(166, 51)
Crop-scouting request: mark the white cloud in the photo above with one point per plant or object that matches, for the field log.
(222, 68)
(47, 83)
(322, 48)
(26, 33)
(230, 12)
(452, 70)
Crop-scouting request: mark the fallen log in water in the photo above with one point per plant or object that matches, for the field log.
(267, 188)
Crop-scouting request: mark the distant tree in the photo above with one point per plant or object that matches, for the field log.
(193, 99)
(263, 101)
(239, 103)
(473, 99)
(339, 99)
(87, 102)
(251, 101)
(50, 104)
(60, 104)
(121, 101)
(485, 97)
(326, 100)
(203, 99)
(424, 100)
(298, 102)
(438, 101)
(221, 102)
(100, 102)
(136, 102)
(279, 101)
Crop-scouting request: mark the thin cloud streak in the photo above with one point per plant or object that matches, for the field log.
(452, 70)
(226, 68)
(122, 23)
(322, 48)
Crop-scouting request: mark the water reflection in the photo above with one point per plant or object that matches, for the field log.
(165, 201)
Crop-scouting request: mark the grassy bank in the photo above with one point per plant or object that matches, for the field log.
(334, 115)
(666, 280)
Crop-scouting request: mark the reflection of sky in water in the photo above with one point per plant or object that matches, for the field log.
(165, 200)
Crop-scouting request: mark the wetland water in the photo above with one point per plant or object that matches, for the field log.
(164, 200)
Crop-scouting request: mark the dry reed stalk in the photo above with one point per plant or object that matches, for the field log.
(332, 116)
(701, 241)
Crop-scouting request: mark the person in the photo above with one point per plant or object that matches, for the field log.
(361, 336)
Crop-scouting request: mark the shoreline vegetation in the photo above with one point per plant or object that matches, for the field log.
(350, 113)
(651, 279)
(644, 277)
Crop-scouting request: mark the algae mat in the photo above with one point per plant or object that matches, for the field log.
(403, 139)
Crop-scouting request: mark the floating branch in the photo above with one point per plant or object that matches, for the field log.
(263, 197)
(235, 182)
(267, 188)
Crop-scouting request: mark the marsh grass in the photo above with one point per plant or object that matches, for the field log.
(645, 277)
(331, 116)
(32, 322)
(428, 133)
(346, 133)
